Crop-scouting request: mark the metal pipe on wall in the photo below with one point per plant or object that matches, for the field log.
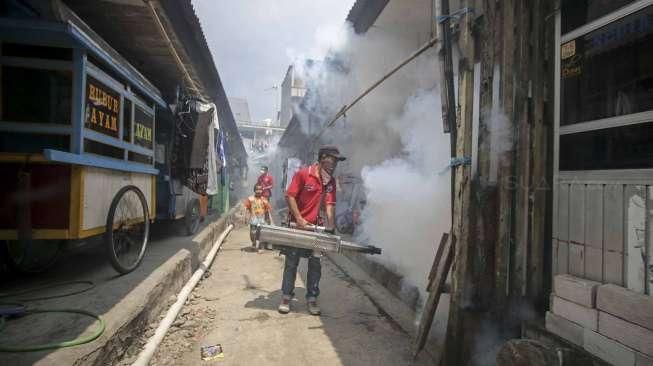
(347, 107)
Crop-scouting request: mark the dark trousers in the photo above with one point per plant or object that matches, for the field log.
(290, 273)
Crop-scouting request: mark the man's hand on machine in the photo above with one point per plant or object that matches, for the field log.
(311, 227)
(301, 223)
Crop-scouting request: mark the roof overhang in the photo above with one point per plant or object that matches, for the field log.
(69, 35)
(364, 13)
(162, 38)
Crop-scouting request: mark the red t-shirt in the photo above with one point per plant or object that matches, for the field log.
(306, 187)
(265, 180)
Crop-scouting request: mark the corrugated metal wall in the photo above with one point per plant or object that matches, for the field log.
(603, 233)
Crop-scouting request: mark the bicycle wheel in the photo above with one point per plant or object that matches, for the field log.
(127, 230)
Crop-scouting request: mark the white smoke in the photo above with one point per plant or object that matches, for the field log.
(408, 200)
(328, 84)
(393, 138)
(257, 159)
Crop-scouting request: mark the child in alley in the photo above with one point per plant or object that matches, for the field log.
(259, 212)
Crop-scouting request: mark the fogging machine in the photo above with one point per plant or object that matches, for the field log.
(315, 239)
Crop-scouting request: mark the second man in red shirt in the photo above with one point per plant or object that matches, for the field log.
(265, 181)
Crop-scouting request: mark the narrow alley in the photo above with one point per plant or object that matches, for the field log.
(453, 182)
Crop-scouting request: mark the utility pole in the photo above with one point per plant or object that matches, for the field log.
(447, 97)
(460, 329)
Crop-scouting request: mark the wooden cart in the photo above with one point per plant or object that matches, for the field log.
(79, 157)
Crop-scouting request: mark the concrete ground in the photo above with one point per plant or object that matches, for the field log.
(236, 306)
(127, 303)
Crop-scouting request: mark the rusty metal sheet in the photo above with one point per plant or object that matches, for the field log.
(563, 257)
(577, 213)
(563, 212)
(577, 260)
(613, 268)
(594, 216)
(593, 264)
(613, 211)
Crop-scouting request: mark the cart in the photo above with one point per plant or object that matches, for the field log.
(86, 149)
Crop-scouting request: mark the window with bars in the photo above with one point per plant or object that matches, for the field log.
(606, 87)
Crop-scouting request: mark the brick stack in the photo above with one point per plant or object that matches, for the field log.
(609, 321)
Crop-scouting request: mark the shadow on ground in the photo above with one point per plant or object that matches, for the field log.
(272, 299)
(352, 330)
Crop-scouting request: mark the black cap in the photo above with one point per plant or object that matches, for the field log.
(332, 151)
(264, 167)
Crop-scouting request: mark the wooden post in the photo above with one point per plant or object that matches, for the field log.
(79, 95)
(439, 272)
(447, 97)
(505, 58)
(458, 349)
(540, 216)
(502, 216)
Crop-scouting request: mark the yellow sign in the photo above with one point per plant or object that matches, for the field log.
(568, 49)
(102, 108)
(142, 132)
(143, 128)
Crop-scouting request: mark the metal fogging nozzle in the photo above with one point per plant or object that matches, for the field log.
(311, 240)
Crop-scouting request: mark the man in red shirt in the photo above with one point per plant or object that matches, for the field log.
(265, 181)
(311, 192)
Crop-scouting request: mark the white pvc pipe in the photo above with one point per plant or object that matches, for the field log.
(150, 347)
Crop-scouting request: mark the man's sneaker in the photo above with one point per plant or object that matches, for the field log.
(313, 307)
(284, 307)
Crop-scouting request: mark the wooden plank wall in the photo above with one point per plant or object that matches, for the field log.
(506, 267)
(514, 176)
(604, 233)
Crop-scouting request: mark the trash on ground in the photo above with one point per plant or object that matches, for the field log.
(212, 352)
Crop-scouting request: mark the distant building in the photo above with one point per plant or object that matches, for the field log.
(240, 109)
(293, 89)
(257, 136)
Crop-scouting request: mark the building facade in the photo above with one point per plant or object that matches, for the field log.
(603, 143)
(293, 89)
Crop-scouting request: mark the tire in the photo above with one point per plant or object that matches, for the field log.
(192, 217)
(33, 256)
(125, 238)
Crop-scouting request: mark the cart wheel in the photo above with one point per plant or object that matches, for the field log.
(192, 217)
(32, 256)
(127, 230)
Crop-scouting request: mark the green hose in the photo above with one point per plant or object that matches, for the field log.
(40, 347)
(47, 346)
